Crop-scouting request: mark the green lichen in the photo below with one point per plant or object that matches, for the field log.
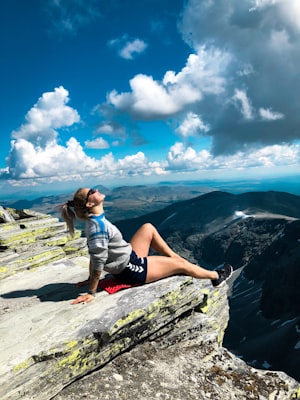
(29, 235)
(296, 394)
(132, 316)
(22, 365)
(78, 357)
(70, 360)
(71, 344)
(164, 305)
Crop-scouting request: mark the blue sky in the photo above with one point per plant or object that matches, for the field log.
(128, 92)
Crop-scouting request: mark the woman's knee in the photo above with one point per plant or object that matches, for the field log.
(148, 225)
(148, 228)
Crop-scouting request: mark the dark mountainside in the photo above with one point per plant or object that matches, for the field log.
(258, 233)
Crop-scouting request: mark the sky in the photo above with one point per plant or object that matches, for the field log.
(129, 92)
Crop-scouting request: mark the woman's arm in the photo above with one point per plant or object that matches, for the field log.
(97, 241)
(93, 280)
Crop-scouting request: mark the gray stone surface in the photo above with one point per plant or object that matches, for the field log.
(157, 341)
(48, 343)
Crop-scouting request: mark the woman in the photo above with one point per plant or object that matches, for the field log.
(128, 262)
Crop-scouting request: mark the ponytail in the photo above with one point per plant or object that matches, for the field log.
(68, 215)
(80, 210)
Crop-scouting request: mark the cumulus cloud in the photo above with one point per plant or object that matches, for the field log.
(50, 113)
(191, 126)
(29, 161)
(184, 158)
(150, 99)
(37, 153)
(98, 143)
(111, 128)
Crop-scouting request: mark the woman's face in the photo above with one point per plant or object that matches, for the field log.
(94, 196)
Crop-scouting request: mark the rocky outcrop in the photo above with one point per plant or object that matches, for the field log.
(29, 239)
(162, 340)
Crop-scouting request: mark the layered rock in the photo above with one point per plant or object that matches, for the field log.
(29, 239)
(47, 343)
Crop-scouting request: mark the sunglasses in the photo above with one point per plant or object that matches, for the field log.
(91, 191)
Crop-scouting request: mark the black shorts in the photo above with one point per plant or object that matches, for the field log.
(135, 272)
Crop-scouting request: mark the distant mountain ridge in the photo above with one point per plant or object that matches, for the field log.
(121, 202)
(210, 211)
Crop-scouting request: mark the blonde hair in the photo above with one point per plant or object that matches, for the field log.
(81, 211)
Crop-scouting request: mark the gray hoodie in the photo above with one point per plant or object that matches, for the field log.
(107, 248)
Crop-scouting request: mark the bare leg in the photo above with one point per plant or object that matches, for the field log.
(161, 267)
(169, 263)
(147, 236)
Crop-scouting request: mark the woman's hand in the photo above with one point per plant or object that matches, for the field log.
(84, 298)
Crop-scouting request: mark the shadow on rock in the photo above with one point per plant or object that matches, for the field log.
(50, 292)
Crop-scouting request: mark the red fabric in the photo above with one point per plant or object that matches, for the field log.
(113, 286)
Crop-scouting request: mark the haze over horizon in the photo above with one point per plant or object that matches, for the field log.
(143, 92)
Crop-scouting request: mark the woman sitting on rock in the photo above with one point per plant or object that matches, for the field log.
(128, 262)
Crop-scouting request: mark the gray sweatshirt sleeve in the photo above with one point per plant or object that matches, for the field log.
(107, 249)
(97, 241)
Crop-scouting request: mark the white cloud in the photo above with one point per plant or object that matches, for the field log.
(191, 126)
(29, 161)
(203, 71)
(269, 115)
(289, 9)
(240, 97)
(110, 128)
(152, 99)
(183, 158)
(59, 163)
(259, 4)
(105, 128)
(127, 47)
(36, 152)
(148, 98)
(98, 143)
(130, 49)
(46, 116)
